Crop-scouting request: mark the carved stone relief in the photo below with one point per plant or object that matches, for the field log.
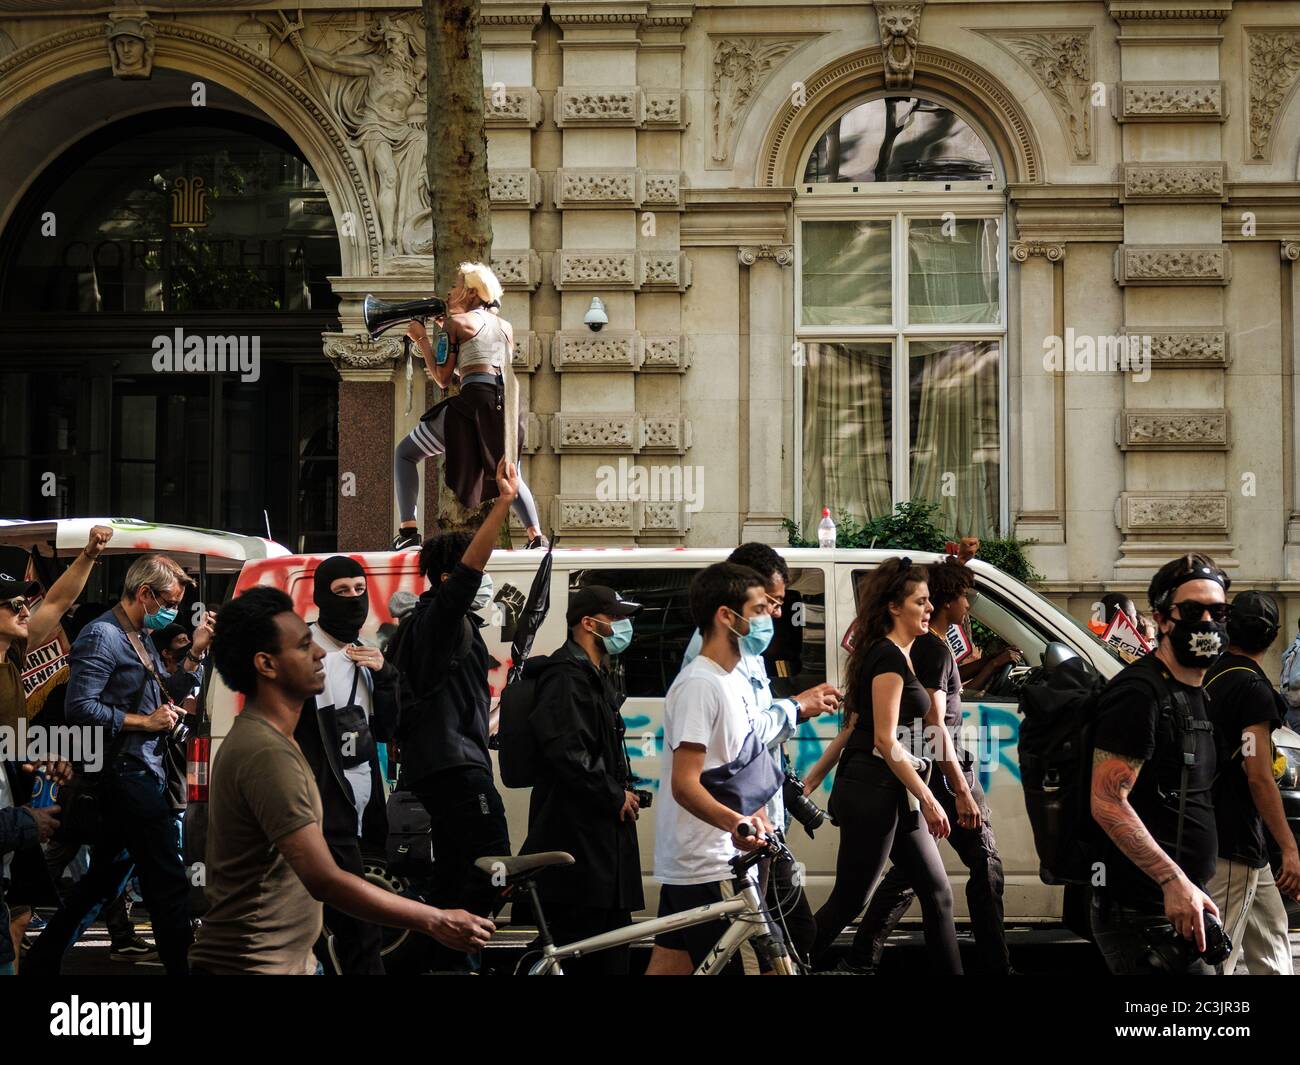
(1062, 64)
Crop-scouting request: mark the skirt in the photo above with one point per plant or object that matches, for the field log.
(474, 429)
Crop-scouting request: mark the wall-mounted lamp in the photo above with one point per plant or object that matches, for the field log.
(596, 316)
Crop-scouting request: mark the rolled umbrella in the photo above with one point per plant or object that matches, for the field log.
(533, 614)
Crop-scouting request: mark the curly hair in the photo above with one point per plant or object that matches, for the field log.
(439, 554)
(246, 627)
(889, 584)
(762, 559)
(948, 580)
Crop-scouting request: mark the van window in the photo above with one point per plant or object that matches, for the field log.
(796, 659)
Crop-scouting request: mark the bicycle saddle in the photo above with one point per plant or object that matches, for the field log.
(523, 863)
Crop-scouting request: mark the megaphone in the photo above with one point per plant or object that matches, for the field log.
(380, 314)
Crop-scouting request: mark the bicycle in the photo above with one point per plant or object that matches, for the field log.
(745, 910)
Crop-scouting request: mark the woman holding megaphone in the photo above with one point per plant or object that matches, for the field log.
(479, 425)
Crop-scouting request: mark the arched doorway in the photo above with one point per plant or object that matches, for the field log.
(163, 290)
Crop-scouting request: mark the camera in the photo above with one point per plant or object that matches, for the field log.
(180, 732)
(801, 808)
(1218, 944)
(644, 798)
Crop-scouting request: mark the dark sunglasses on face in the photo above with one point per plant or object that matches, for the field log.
(17, 604)
(1192, 610)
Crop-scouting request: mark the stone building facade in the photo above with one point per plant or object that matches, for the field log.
(984, 185)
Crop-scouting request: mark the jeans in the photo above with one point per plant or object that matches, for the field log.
(116, 915)
(1139, 944)
(870, 805)
(139, 833)
(467, 821)
(984, 886)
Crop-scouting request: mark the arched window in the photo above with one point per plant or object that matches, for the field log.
(901, 317)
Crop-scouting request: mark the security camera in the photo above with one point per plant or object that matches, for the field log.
(596, 316)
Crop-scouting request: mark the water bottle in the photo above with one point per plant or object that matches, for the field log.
(826, 529)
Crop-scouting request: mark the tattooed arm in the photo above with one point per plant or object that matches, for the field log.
(1113, 777)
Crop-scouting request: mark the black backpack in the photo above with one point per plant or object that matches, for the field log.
(1059, 708)
(516, 743)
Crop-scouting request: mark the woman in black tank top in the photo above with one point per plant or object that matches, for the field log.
(881, 802)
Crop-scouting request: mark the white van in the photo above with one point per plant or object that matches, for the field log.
(820, 605)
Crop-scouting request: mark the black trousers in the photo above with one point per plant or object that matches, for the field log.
(116, 915)
(357, 943)
(467, 820)
(869, 804)
(788, 905)
(1139, 944)
(568, 924)
(984, 887)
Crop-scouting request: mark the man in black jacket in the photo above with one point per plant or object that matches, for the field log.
(443, 733)
(581, 802)
(358, 707)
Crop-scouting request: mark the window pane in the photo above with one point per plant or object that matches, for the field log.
(955, 457)
(660, 631)
(846, 432)
(953, 271)
(845, 271)
(899, 139)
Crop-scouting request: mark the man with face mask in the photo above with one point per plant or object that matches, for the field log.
(582, 802)
(358, 708)
(1157, 855)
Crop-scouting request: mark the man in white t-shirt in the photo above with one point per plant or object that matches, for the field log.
(709, 715)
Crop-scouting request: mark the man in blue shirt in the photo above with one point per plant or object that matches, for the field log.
(118, 687)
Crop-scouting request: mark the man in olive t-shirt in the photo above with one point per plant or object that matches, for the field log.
(262, 919)
(267, 865)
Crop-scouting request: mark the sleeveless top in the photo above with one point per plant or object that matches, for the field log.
(486, 350)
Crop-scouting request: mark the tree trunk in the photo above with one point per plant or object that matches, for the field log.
(458, 170)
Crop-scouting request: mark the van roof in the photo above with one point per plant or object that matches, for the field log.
(635, 556)
(225, 552)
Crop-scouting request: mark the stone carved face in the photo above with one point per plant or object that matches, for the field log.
(129, 50)
(900, 25)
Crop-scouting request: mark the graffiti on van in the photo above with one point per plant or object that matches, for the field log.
(990, 733)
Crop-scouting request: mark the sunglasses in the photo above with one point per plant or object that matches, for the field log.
(1193, 610)
(17, 604)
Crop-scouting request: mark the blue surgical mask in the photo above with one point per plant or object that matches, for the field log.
(619, 637)
(755, 641)
(161, 618)
(484, 594)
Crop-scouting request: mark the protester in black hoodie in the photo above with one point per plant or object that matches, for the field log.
(581, 802)
(337, 735)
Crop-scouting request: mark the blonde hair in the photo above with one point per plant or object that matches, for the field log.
(157, 572)
(480, 280)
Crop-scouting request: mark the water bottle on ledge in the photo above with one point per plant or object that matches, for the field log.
(826, 529)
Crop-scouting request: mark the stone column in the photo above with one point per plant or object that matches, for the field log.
(764, 412)
(1173, 267)
(365, 483)
(1038, 416)
(1291, 365)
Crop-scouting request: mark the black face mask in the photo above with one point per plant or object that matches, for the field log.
(343, 615)
(1196, 644)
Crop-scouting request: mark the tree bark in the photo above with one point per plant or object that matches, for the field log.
(458, 169)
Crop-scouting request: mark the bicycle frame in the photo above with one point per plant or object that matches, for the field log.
(746, 907)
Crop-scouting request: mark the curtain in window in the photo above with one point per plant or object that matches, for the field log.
(846, 431)
(953, 271)
(955, 457)
(846, 273)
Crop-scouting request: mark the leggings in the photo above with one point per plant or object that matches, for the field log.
(870, 805)
(425, 441)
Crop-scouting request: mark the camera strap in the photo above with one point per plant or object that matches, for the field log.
(137, 644)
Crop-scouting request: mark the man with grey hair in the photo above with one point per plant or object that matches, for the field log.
(119, 686)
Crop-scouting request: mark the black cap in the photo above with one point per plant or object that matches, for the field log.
(598, 599)
(11, 587)
(1254, 607)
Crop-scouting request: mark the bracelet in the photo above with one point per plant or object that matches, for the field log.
(1162, 883)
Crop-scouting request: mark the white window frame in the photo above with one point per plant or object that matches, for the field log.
(899, 202)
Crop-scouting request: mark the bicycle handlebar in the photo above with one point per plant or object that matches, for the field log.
(773, 848)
